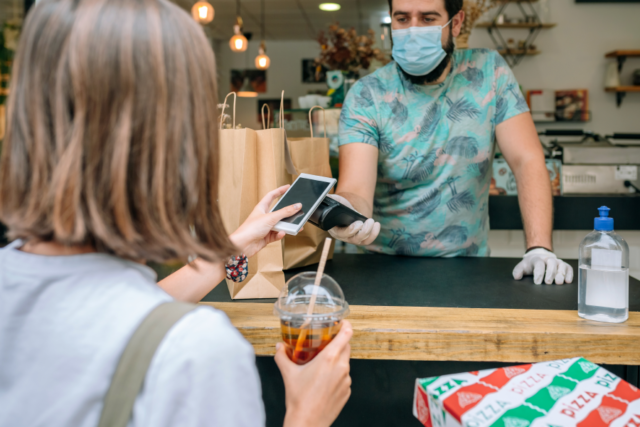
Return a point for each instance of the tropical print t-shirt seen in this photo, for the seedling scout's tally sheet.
(436, 145)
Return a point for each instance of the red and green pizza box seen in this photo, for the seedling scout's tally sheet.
(569, 392)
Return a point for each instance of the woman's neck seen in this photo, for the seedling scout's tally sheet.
(55, 249)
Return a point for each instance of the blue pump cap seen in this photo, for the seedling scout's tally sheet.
(603, 223)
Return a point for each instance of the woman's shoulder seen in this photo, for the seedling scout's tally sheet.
(203, 373)
(204, 340)
(208, 332)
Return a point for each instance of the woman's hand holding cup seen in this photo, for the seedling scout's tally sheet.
(317, 391)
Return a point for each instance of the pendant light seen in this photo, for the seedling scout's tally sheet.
(262, 60)
(238, 42)
(246, 91)
(203, 12)
(329, 7)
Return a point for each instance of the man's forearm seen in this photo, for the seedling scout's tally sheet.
(536, 202)
(359, 203)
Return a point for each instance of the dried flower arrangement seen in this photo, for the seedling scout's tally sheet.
(473, 10)
(347, 51)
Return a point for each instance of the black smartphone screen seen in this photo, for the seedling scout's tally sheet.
(305, 191)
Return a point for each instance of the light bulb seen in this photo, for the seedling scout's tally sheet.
(262, 60)
(238, 42)
(329, 7)
(202, 12)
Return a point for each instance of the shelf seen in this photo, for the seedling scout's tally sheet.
(621, 92)
(582, 117)
(621, 56)
(617, 53)
(527, 25)
(623, 89)
(519, 52)
(515, 56)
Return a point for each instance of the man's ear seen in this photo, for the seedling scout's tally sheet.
(456, 23)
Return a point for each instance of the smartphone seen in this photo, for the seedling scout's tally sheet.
(310, 190)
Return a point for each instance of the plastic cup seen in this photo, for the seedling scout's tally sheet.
(304, 334)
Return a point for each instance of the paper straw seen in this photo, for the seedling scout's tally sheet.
(312, 302)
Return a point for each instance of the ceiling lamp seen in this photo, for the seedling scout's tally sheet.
(238, 42)
(329, 7)
(246, 91)
(262, 60)
(202, 12)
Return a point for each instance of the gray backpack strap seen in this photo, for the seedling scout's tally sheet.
(135, 360)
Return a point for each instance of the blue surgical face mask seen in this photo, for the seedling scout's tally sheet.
(418, 50)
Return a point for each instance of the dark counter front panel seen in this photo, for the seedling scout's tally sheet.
(382, 280)
(575, 212)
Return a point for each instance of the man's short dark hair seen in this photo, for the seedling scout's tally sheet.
(452, 6)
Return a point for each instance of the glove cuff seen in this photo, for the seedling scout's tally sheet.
(537, 247)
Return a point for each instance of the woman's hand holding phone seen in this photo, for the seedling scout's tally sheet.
(317, 391)
(256, 232)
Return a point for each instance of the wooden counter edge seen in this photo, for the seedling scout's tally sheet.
(460, 334)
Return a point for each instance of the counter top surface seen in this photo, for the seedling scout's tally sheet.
(462, 309)
(381, 280)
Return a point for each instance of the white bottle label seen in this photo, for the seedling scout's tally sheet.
(607, 288)
(606, 281)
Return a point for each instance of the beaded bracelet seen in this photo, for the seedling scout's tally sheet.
(237, 268)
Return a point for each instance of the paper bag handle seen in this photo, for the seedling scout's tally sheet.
(224, 104)
(282, 110)
(288, 161)
(324, 119)
(264, 126)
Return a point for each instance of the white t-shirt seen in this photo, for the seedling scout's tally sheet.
(64, 322)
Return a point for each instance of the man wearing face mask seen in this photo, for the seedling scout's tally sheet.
(417, 145)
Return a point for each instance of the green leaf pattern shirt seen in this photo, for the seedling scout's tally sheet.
(436, 146)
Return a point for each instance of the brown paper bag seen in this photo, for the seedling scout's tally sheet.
(253, 163)
(241, 188)
(309, 155)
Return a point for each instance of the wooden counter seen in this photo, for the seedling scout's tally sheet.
(463, 309)
(423, 317)
(460, 334)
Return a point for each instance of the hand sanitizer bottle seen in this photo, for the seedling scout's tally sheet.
(603, 277)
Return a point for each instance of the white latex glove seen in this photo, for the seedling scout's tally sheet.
(358, 233)
(537, 261)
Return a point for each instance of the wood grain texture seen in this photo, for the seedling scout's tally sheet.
(424, 333)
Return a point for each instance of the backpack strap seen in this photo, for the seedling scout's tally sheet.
(135, 360)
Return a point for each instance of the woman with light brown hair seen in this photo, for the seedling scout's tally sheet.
(110, 160)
